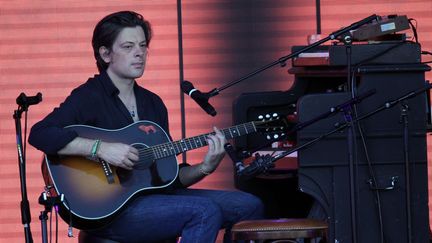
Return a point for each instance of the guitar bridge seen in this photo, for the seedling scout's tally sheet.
(107, 171)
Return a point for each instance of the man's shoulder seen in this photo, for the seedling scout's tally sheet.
(92, 84)
(87, 92)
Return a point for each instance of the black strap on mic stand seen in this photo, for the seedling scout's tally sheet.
(23, 103)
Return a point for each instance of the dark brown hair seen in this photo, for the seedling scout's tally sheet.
(107, 30)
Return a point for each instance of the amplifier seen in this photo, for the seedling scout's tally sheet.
(377, 53)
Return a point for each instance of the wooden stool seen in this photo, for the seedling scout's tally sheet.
(279, 229)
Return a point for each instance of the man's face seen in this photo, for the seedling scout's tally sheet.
(127, 58)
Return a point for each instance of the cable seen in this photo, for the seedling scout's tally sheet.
(373, 177)
(353, 90)
(370, 168)
(50, 218)
(414, 28)
(56, 221)
(67, 204)
(426, 53)
(362, 136)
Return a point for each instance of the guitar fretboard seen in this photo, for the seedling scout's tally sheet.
(183, 145)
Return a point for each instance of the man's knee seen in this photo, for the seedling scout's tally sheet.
(254, 207)
(210, 212)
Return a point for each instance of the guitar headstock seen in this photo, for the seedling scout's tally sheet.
(273, 126)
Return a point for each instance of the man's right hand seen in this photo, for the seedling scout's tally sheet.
(118, 154)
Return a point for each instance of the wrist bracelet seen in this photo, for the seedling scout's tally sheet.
(203, 171)
(95, 148)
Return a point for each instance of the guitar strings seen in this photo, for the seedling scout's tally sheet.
(178, 147)
(167, 149)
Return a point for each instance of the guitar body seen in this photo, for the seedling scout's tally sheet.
(93, 197)
(90, 199)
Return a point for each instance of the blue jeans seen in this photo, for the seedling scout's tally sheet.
(194, 214)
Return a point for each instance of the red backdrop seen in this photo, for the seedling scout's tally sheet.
(45, 47)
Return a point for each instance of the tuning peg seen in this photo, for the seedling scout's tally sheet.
(260, 117)
(267, 116)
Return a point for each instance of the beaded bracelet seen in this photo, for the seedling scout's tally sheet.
(95, 148)
(203, 171)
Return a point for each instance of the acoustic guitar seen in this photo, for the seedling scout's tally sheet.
(94, 192)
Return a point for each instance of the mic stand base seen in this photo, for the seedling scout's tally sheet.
(43, 217)
(49, 203)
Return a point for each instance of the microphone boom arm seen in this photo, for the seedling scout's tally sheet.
(384, 106)
(330, 112)
(263, 163)
(282, 61)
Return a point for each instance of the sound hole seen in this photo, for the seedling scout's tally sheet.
(145, 157)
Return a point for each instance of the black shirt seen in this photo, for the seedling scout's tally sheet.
(94, 103)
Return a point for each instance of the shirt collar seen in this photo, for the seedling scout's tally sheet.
(108, 84)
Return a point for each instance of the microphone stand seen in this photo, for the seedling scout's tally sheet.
(25, 207)
(282, 61)
(351, 140)
(404, 120)
(49, 203)
(268, 161)
(300, 126)
(352, 182)
(342, 126)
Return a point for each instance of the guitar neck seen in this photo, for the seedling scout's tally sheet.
(183, 145)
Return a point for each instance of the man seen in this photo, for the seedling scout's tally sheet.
(113, 100)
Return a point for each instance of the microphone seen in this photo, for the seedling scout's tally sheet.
(24, 100)
(260, 165)
(238, 163)
(200, 98)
